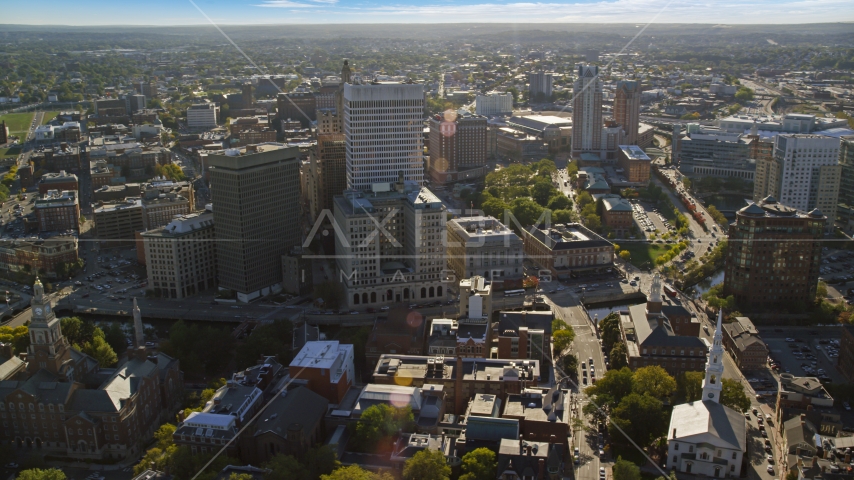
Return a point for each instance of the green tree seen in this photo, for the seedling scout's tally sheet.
(744, 95)
(584, 199)
(626, 255)
(689, 386)
(240, 476)
(163, 435)
(321, 460)
(355, 472)
(479, 464)
(101, 351)
(115, 336)
(592, 221)
(269, 339)
(609, 330)
(563, 216)
(526, 211)
(569, 362)
(733, 396)
(427, 464)
(494, 207)
(613, 386)
(625, 470)
(563, 339)
(39, 474)
(559, 202)
(379, 422)
(821, 291)
(641, 417)
(619, 356)
(286, 467)
(653, 381)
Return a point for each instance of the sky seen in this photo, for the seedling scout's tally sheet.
(232, 12)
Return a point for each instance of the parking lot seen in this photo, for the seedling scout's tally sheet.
(836, 268)
(806, 355)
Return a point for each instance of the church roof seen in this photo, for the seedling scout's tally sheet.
(708, 418)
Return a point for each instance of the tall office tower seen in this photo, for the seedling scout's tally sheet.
(627, 109)
(774, 255)
(393, 244)
(457, 147)
(134, 103)
(327, 173)
(676, 144)
(846, 186)
(256, 198)
(247, 96)
(540, 83)
(383, 125)
(803, 173)
(586, 111)
(149, 88)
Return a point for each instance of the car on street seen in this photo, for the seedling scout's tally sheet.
(770, 469)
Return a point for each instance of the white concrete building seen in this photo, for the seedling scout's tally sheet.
(803, 173)
(180, 258)
(493, 103)
(202, 115)
(587, 111)
(482, 245)
(383, 127)
(705, 437)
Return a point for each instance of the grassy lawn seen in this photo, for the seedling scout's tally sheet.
(10, 152)
(18, 123)
(48, 116)
(645, 252)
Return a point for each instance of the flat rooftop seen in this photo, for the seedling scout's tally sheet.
(634, 152)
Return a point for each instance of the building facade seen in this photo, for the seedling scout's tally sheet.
(119, 221)
(457, 146)
(40, 255)
(745, 346)
(563, 249)
(483, 246)
(804, 174)
(202, 116)
(300, 105)
(627, 109)
(378, 150)
(257, 216)
(635, 163)
(774, 255)
(181, 256)
(540, 86)
(845, 206)
(327, 367)
(58, 181)
(58, 211)
(493, 103)
(587, 111)
(326, 175)
(400, 262)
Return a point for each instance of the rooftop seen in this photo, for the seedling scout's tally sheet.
(320, 354)
(634, 152)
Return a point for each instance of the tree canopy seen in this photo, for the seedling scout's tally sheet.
(428, 464)
(479, 464)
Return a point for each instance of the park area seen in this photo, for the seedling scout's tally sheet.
(48, 116)
(18, 123)
(644, 254)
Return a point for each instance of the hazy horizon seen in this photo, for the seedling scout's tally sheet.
(92, 13)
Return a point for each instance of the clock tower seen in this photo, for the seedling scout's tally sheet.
(48, 348)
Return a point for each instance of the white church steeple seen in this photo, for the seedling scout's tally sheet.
(714, 366)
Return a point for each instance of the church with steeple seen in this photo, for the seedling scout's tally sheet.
(62, 402)
(706, 437)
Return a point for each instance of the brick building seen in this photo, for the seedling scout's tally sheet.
(774, 255)
(299, 105)
(457, 146)
(119, 221)
(543, 414)
(58, 181)
(635, 163)
(327, 367)
(524, 335)
(745, 346)
(617, 214)
(58, 211)
(845, 364)
(567, 248)
(660, 334)
(66, 406)
(41, 255)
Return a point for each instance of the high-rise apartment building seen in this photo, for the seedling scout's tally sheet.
(134, 103)
(587, 111)
(774, 255)
(181, 257)
(635, 163)
(457, 147)
(804, 173)
(392, 244)
(540, 86)
(256, 197)
(202, 115)
(627, 109)
(845, 207)
(493, 103)
(383, 131)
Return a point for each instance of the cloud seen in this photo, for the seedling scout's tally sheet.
(289, 4)
(602, 11)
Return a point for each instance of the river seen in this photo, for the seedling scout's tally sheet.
(705, 284)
